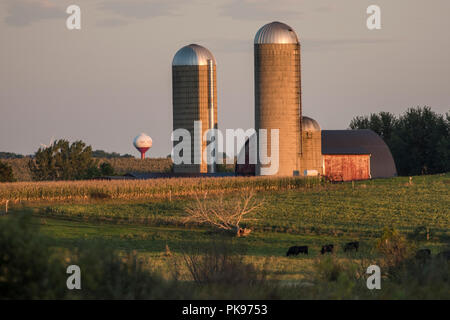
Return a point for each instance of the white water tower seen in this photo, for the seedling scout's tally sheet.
(142, 142)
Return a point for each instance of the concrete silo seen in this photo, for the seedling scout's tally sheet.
(311, 161)
(278, 92)
(194, 99)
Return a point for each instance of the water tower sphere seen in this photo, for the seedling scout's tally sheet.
(142, 142)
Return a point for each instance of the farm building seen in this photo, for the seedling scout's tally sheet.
(246, 168)
(303, 148)
(278, 102)
(194, 96)
(340, 155)
(362, 149)
(310, 157)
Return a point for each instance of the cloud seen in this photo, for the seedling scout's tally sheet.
(325, 8)
(325, 44)
(261, 9)
(140, 9)
(229, 45)
(234, 45)
(112, 22)
(25, 12)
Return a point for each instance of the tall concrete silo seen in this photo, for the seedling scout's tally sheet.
(194, 99)
(278, 92)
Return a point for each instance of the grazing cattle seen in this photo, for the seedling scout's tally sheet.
(423, 254)
(351, 245)
(444, 255)
(327, 248)
(295, 250)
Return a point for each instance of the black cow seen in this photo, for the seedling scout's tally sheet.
(444, 255)
(295, 250)
(351, 245)
(423, 254)
(327, 248)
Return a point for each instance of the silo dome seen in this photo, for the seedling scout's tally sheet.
(193, 55)
(309, 124)
(276, 33)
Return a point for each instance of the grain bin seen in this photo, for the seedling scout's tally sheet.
(278, 92)
(311, 161)
(194, 94)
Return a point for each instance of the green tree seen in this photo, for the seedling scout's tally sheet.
(10, 155)
(6, 173)
(109, 155)
(383, 124)
(106, 169)
(443, 148)
(422, 142)
(419, 139)
(63, 161)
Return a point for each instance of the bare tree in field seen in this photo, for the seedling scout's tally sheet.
(224, 214)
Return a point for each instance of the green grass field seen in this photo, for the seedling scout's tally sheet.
(308, 214)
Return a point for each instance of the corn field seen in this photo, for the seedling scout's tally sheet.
(136, 189)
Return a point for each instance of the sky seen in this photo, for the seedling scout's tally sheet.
(111, 80)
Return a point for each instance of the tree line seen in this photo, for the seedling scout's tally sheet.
(67, 161)
(95, 154)
(419, 139)
(62, 160)
(10, 155)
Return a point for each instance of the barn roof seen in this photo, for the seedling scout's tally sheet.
(365, 141)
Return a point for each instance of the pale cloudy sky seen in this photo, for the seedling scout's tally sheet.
(111, 80)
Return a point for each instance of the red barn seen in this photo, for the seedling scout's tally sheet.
(346, 155)
(356, 155)
(346, 167)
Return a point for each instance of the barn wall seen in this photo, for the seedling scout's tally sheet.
(347, 167)
(245, 169)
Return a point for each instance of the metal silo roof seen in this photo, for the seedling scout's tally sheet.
(193, 55)
(276, 32)
(309, 124)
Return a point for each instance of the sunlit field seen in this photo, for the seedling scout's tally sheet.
(148, 219)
